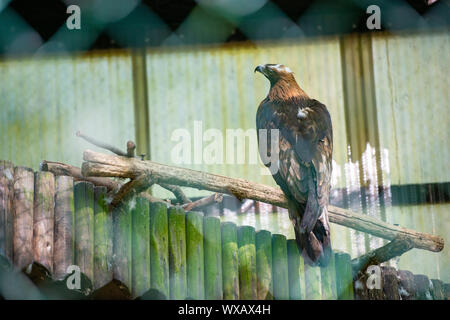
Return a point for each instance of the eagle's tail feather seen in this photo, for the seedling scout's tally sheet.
(315, 246)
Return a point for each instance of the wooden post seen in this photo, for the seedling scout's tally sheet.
(44, 219)
(177, 253)
(264, 283)
(296, 269)
(84, 227)
(247, 263)
(328, 279)
(344, 280)
(194, 255)
(103, 240)
(313, 289)
(280, 267)
(159, 248)
(141, 247)
(63, 254)
(6, 209)
(23, 217)
(213, 258)
(122, 246)
(230, 261)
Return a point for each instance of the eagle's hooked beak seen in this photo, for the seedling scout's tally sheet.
(260, 69)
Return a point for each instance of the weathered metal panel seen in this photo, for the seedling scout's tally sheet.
(217, 85)
(44, 101)
(412, 94)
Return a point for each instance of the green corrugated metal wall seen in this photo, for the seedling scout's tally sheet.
(94, 93)
(45, 101)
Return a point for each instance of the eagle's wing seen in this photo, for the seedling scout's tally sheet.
(304, 169)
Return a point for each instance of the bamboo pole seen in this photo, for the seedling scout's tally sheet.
(159, 248)
(103, 240)
(103, 165)
(296, 270)
(23, 217)
(195, 255)
(264, 283)
(122, 246)
(63, 254)
(230, 261)
(177, 253)
(84, 227)
(6, 208)
(280, 267)
(313, 287)
(44, 219)
(328, 280)
(344, 278)
(213, 258)
(141, 247)
(247, 263)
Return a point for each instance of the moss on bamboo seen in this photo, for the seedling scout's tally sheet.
(312, 283)
(213, 258)
(159, 248)
(230, 261)
(264, 284)
(344, 278)
(141, 246)
(195, 255)
(296, 270)
(328, 280)
(247, 263)
(122, 248)
(280, 267)
(177, 253)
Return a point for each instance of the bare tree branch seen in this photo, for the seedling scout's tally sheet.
(203, 202)
(103, 165)
(395, 248)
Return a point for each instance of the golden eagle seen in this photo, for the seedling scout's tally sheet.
(305, 147)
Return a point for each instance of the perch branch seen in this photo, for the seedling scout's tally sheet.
(395, 248)
(102, 145)
(203, 202)
(131, 148)
(103, 165)
(62, 169)
(131, 188)
(178, 193)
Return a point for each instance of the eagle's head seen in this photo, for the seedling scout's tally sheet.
(283, 86)
(275, 72)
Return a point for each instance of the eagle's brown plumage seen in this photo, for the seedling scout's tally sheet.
(305, 153)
